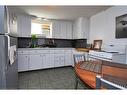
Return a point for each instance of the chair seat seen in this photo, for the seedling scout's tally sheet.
(91, 66)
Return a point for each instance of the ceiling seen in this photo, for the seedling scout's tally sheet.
(59, 12)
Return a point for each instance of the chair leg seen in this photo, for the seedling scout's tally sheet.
(76, 82)
(98, 82)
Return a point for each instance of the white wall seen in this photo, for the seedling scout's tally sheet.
(102, 26)
(81, 28)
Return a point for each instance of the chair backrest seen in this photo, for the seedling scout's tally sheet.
(78, 58)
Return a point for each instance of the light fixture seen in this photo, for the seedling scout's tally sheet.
(45, 19)
(39, 18)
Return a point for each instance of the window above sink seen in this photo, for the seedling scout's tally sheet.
(42, 28)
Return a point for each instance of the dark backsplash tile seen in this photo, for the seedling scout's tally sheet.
(23, 42)
(50, 42)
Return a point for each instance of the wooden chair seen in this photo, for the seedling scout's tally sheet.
(86, 75)
(78, 59)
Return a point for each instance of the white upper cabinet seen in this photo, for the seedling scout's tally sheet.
(24, 25)
(62, 29)
(56, 29)
(81, 28)
(69, 30)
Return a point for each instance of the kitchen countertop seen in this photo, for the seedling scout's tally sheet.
(87, 50)
(83, 49)
(42, 48)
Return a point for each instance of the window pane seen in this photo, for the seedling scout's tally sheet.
(46, 29)
(41, 27)
(36, 28)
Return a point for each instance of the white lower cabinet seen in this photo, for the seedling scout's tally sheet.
(59, 60)
(68, 58)
(23, 61)
(42, 59)
(48, 60)
(35, 62)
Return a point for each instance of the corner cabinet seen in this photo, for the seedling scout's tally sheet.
(62, 29)
(81, 28)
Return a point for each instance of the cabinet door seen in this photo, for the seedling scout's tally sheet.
(23, 61)
(48, 60)
(56, 29)
(53, 29)
(63, 29)
(24, 25)
(35, 62)
(69, 30)
(59, 60)
(68, 58)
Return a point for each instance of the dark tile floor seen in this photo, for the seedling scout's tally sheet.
(57, 78)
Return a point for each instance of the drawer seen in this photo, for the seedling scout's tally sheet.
(51, 51)
(23, 52)
(34, 51)
(40, 51)
(46, 51)
(59, 51)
